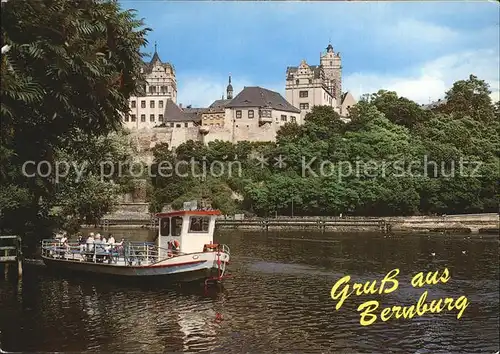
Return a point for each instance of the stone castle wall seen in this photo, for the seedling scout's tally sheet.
(147, 139)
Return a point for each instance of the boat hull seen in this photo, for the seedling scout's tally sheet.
(184, 268)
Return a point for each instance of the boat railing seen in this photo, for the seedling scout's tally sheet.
(225, 249)
(126, 253)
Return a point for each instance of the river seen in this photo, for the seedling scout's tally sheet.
(278, 300)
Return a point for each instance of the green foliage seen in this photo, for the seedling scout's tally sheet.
(393, 158)
(66, 81)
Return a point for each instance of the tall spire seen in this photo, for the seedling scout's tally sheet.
(156, 47)
(229, 89)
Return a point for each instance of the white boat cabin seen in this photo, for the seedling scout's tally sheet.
(186, 231)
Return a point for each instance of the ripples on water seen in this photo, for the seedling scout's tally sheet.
(278, 300)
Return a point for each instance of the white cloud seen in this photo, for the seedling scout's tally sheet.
(431, 80)
(413, 32)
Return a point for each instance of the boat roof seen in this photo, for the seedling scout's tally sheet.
(188, 212)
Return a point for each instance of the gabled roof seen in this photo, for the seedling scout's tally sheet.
(256, 96)
(148, 67)
(316, 69)
(219, 104)
(173, 113)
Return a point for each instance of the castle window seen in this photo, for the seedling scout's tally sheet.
(143, 104)
(310, 81)
(152, 89)
(293, 119)
(283, 118)
(304, 106)
(186, 125)
(126, 117)
(177, 125)
(297, 82)
(132, 104)
(160, 104)
(238, 114)
(151, 117)
(171, 125)
(151, 104)
(303, 94)
(143, 117)
(133, 118)
(331, 63)
(265, 113)
(250, 113)
(160, 117)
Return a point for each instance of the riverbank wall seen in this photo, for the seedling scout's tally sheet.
(136, 215)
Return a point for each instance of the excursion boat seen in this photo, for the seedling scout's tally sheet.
(184, 251)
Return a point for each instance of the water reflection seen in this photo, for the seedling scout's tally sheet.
(279, 299)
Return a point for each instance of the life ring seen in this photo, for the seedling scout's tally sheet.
(210, 247)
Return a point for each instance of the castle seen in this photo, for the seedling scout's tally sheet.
(254, 114)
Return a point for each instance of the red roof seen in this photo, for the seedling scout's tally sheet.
(188, 212)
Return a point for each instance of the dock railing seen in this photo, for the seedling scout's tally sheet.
(11, 251)
(305, 222)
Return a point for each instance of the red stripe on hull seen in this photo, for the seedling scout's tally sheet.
(128, 267)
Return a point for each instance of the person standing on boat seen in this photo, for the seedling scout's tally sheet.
(90, 242)
(64, 241)
(111, 242)
(81, 242)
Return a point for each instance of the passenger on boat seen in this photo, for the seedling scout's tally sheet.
(98, 241)
(120, 247)
(81, 242)
(90, 242)
(173, 246)
(64, 242)
(111, 243)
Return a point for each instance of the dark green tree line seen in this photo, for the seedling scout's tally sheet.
(66, 80)
(394, 157)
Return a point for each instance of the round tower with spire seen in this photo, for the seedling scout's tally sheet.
(229, 89)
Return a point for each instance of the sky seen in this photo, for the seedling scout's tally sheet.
(418, 49)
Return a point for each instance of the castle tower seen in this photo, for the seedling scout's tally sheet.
(332, 66)
(229, 89)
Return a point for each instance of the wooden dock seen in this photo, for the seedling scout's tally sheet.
(11, 252)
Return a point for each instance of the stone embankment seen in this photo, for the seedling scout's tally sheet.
(474, 223)
(132, 215)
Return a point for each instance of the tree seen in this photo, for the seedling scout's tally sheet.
(469, 98)
(70, 70)
(398, 110)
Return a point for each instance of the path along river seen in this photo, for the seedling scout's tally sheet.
(278, 300)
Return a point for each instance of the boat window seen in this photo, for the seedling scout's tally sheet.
(165, 227)
(199, 223)
(176, 225)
